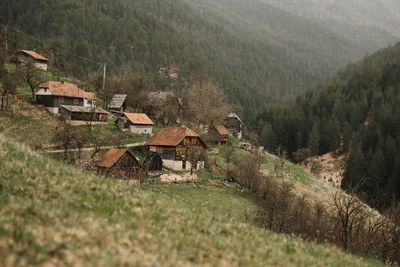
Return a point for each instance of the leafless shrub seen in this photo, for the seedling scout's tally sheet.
(347, 222)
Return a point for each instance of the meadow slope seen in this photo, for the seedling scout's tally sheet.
(55, 213)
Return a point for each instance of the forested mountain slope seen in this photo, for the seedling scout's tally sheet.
(357, 114)
(252, 63)
(371, 24)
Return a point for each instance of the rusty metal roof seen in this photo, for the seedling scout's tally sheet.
(68, 90)
(34, 55)
(83, 109)
(221, 130)
(138, 118)
(111, 157)
(171, 136)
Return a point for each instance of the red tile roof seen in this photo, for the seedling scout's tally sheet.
(171, 136)
(138, 118)
(221, 130)
(90, 96)
(34, 55)
(111, 157)
(68, 90)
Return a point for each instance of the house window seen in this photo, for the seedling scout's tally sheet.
(61, 100)
(76, 101)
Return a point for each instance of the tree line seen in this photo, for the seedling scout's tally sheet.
(356, 114)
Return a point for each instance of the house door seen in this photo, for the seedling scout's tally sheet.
(184, 165)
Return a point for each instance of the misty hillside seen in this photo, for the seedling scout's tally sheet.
(357, 114)
(257, 55)
(372, 24)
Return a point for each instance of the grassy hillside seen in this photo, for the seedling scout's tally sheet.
(56, 214)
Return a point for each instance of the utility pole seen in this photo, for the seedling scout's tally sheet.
(104, 76)
(6, 40)
(104, 83)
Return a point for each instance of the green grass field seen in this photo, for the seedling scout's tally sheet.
(54, 213)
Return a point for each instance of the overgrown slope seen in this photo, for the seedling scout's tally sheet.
(54, 213)
(356, 114)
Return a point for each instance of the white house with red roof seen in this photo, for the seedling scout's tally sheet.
(138, 123)
(52, 95)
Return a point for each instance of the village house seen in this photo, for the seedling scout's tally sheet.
(179, 148)
(234, 125)
(219, 134)
(31, 57)
(78, 115)
(137, 123)
(54, 94)
(118, 104)
(119, 163)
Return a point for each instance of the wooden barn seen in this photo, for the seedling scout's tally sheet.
(118, 104)
(234, 125)
(179, 148)
(219, 134)
(54, 94)
(138, 123)
(153, 164)
(31, 57)
(81, 115)
(119, 163)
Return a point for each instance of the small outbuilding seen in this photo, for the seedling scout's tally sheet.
(31, 57)
(81, 115)
(152, 164)
(138, 123)
(118, 104)
(234, 125)
(219, 134)
(119, 163)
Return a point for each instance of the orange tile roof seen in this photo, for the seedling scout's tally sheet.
(90, 96)
(68, 90)
(111, 157)
(171, 136)
(34, 55)
(138, 118)
(221, 130)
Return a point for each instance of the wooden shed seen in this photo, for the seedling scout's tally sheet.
(118, 104)
(80, 114)
(152, 164)
(234, 125)
(119, 163)
(178, 147)
(219, 134)
(31, 57)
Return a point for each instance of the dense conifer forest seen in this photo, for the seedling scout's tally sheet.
(357, 114)
(255, 65)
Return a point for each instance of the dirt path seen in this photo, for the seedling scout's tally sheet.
(91, 148)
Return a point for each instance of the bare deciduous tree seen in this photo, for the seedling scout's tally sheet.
(33, 78)
(205, 105)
